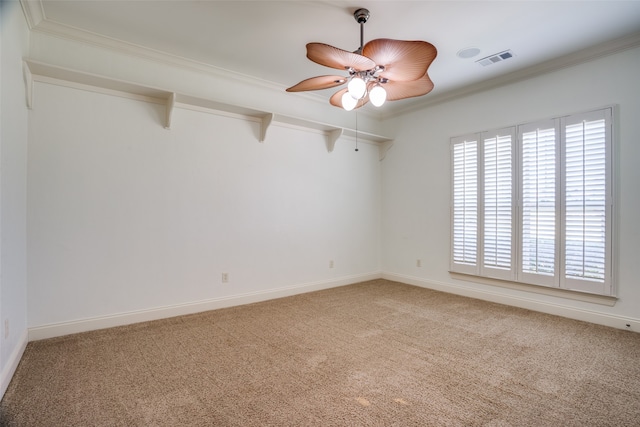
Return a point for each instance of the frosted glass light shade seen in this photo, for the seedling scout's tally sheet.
(378, 95)
(357, 87)
(348, 102)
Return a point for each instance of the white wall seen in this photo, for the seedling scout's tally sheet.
(13, 166)
(416, 179)
(126, 217)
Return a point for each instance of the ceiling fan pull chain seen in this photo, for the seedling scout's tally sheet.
(356, 130)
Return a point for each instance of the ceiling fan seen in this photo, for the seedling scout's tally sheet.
(382, 69)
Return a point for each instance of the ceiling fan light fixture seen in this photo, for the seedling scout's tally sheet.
(377, 95)
(380, 70)
(348, 101)
(357, 87)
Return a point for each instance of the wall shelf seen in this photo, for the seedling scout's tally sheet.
(38, 71)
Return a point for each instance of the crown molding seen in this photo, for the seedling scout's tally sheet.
(33, 12)
(56, 29)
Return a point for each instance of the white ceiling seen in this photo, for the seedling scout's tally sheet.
(266, 39)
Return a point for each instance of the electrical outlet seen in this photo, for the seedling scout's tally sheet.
(225, 277)
(330, 263)
(418, 263)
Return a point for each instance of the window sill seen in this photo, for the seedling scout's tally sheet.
(556, 292)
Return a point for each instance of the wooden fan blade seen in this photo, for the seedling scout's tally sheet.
(336, 99)
(402, 90)
(402, 60)
(317, 83)
(333, 57)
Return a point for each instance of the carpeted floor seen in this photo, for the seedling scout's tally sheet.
(378, 353)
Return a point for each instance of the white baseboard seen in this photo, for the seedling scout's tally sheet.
(12, 363)
(619, 322)
(83, 325)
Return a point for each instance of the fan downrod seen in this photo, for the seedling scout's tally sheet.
(361, 16)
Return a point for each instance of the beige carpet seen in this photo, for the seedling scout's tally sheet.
(373, 354)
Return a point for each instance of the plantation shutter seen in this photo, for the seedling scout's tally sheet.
(464, 199)
(586, 201)
(534, 203)
(498, 206)
(539, 215)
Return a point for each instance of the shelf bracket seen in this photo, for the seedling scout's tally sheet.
(384, 147)
(332, 137)
(28, 84)
(171, 102)
(264, 125)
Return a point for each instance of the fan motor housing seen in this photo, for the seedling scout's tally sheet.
(361, 16)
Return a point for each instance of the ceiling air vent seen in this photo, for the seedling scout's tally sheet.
(498, 57)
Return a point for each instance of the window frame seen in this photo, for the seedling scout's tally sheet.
(516, 274)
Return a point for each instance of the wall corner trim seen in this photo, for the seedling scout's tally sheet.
(12, 363)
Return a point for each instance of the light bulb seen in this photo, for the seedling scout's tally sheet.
(357, 87)
(378, 95)
(348, 102)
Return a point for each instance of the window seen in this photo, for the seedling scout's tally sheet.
(532, 203)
